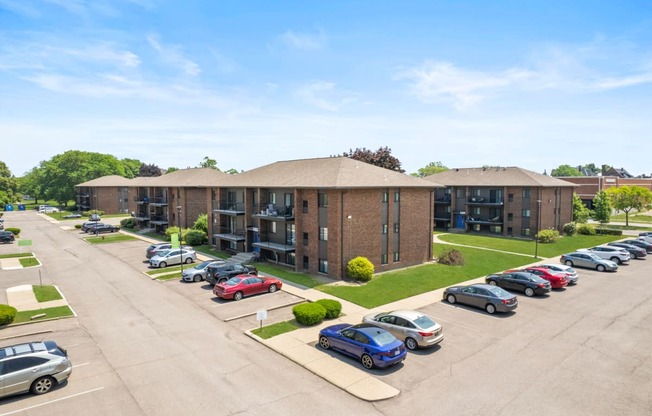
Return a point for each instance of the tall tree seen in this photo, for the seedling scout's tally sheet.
(581, 212)
(208, 163)
(601, 207)
(627, 198)
(591, 167)
(430, 169)
(565, 170)
(381, 157)
(32, 184)
(8, 185)
(131, 167)
(149, 170)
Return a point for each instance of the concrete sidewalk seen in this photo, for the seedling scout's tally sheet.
(23, 299)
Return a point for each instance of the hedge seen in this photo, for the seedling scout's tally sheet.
(309, 314)
(608, 231)
(15, 231)
(7, 314)
(130, 223)
(195, 237)
(333, 307)
(585, 229)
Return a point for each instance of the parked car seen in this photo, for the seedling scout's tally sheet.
(102, 228)
(220, 273)
(558, 280)
(47, 209)
(372, 345)
(174, 256)
(86, 226)
(571, 274)
(198, 273)
(34, 366)
(640, 243)
(528, 283)
(645, 236)
(414, 328)
(7, 237)
(588, 260)
(634, 251)
(154, 249)
(615, 254)
(94, 217)
(246, 285)
(490, 298)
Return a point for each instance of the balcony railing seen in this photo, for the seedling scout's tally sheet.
(480, 220)
(480, 200)
(286, 247)
(229, 207)
(230, 234)
(284, 212)
(158, 219)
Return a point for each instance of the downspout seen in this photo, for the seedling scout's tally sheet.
(431, 222)
(342, 263)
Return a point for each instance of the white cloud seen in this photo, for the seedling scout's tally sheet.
(324, 95)
(305, 41)
(171, 54)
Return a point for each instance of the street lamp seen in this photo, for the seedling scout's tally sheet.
(180, 245)
(536, 236)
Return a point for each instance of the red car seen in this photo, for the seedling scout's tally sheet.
(557, 280)
(244, 285)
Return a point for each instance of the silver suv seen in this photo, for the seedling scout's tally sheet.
(34, 366)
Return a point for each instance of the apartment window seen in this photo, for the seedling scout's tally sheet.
(397, 256)
(526, 192)
(396, 227)
(525, 213)
(323, 233)
(323, 200)
(383, 259)
(510, 216)
(272, 227)
(385, 197)
(459, 193)
(305, 239)
(510, 197)
(397, 196)
(272, 198)
(525, 231)
(496, 229)
(384, 228)
(448, 209)
(291, 259)
(305, 206)
(476, 227)
(306, 263)
(323, 266)
(476, 211)
(510, 231)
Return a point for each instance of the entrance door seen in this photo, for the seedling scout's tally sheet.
(459, 220)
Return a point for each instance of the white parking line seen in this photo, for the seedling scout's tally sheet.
(80, 365)
(50, 402)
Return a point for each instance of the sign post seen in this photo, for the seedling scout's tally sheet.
(260, 316)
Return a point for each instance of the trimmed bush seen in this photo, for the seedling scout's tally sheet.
(195, 237)
(608, 231)
(547, 236)
(451, 257)
(15, 231)
(93, 211)
(7, 314)
(129, 223)
(202, 223)
(309, 314)
(333, 307)
(360, 268)
(585, 229)
(570, 228)
(78, 226)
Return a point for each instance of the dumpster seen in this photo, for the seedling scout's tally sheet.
(9, 207)
(21, 207)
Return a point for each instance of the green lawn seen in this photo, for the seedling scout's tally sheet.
(106, 239)
(169, 269)
(275, 329)
(170, 276)
(46, 293)
(633, 218)
(29, 262)
(392, 286)
(287, 274)
(15, 255)
(563, 245)
(50, 313)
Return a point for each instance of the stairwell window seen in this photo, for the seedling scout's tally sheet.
(525, 213)
(323, 266)
(323, 200)
(323, 233)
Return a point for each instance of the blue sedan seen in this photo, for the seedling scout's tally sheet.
(373, 346)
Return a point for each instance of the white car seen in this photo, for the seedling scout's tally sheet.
(174, 256)
(646, 236)
(47, 209)
(615, 254)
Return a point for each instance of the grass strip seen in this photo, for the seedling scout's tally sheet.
(166, 270)
(50, 313)
(169, 276)
(289, 275)
(275, 329)
(46, 293)
(29, 262)
(105, 239)
(16, 255)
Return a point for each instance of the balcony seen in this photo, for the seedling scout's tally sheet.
(141, 199)
(487, 202)
(489, 221)
(158, 201)
(229, 234)
(158, 220)
(142, 216)
(444, 200)
(444, 219)
(229, 208)
(264, 243)
(275, 212)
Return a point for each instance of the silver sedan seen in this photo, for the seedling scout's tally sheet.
(412, 327)
(198, 273)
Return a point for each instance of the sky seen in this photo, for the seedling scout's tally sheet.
(533, 84)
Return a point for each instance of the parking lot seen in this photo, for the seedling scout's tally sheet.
(141, 346)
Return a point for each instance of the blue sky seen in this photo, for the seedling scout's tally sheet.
(247, 83)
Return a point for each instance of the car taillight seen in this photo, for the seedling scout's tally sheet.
(505, 301)
(541, 285)
(426, 334)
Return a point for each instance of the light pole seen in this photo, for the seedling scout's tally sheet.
(180, 245)
(536, 236)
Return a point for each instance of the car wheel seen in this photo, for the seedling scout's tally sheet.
(493, 283)
(367, 361)
(634, 256)
(197, 278)
(323, 342)
(568, 263)
(600, 268)
(237, 296)
(411, 344)
(529, 292)
(272, 288)
(490, 308)
(42, 385)
(162, 264)
(188, 260)
(451, 299)
(616, 260)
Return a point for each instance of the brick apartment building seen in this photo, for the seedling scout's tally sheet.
(312, 214)
(506, 201)
(589, 186)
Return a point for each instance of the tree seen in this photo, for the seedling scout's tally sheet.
(430, 169)
(171, 169)
(381, 157)
(8, 185)
(209, 163)
(581, 213)
(591, 167)
(627, 198)
(131, 167)
(601, 207)
(149, 170)
(565, 170)
(232, 171)
(31, 184)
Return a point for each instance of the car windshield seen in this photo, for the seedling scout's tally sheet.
(382, 337)
(424, 322)
(163, 253)
(595, 257)
(499, 292)
(233, 281)
(202, 265)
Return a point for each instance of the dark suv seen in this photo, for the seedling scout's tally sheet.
(34, 366)
(222, 272)
(6, 237)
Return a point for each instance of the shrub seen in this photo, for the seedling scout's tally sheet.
(7, 314)
(451, 257)
(547, 236)
(195, 237)
(585, 229)
(93, 211)
(333, 308)
(174, 230)
(15, 231)
(130, 223)
(360, 268)
(570, 228)
(608, 231)
(309, 313)
(78, 226)
(201, 223)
